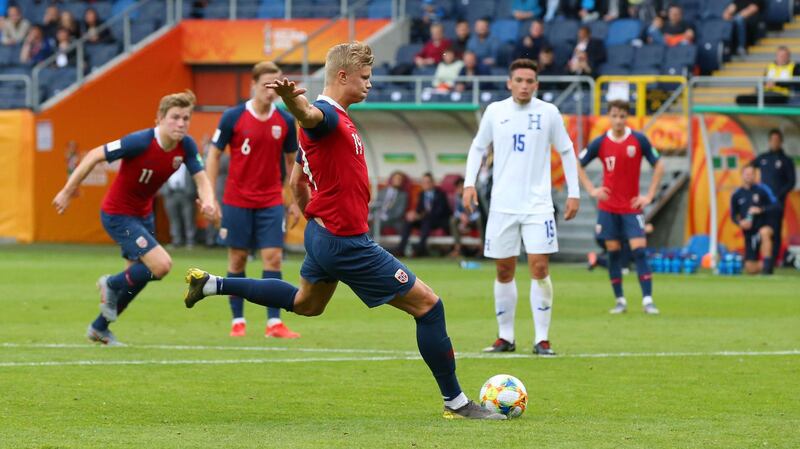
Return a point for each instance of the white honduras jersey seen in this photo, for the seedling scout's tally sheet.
(522, 136)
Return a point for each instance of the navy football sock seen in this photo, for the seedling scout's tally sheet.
(236, 302)
(643, 270)
(135, 275)
(100, 323)
(272, 312)
(615, 272)
(766, 265)
(437, 351)
(265, 292)
(127, 296)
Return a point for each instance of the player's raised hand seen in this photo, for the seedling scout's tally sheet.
(641, 201)
(61, 201)
(600, 193)
(293, 216)
(286, 88)
(469, 199)
(571, 210)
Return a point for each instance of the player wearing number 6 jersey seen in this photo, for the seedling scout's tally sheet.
(148, 157)
(620, 205)
(262, 141)
(522, 130)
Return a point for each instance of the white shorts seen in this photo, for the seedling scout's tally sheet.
(503, 233)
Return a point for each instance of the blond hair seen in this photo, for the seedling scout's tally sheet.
(185, 99)
(264, 68)
(348, 57)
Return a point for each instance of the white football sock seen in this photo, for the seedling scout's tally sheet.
(210, 287)
(542, 306)
(239, 320)
(622, 300)
(647, 300)
(457, 402)
(273, 321)
(505, 305)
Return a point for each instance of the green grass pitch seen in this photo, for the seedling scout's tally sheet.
(720, 368)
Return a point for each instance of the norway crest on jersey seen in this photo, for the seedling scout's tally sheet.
(631, 151)
(401, 276)
(276, 131)
(176, 162)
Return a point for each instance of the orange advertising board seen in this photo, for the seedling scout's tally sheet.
(252, 41)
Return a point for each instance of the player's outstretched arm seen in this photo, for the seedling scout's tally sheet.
(299, 187)
(63, 197)
(206, 198)
(307, 115)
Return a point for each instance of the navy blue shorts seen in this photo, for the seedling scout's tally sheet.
(375, 276)
(246, 228)
(611, 226)
(135, 235)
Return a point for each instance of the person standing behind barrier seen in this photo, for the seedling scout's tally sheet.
(179, 194)
(432, 212)
(778, 173)
(391, 203)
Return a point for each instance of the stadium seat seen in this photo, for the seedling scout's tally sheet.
(609, 69)
(714, 8)
(302, 9)
(379, 9)
(599, 29)
(778, 12)
(692, 10)
(424, 71)
(405, 54)
(326, 9)
(562, 32)
(679, 60)
(473, 10)
(121, 5)
(449, 27)
(648, 59)
(523, 28)
(619, 56)
(504, 55)
(269, 9)
(99, 54)
(502, 10)
(716, 30)
(9, 55)
(505, 30)
(623, 31)
(247, 9)
(103, 9)
(53, 80)
(155, 11)
(709, 55)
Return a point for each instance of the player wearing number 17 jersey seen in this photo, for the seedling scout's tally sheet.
(522, 129)
(620, 205)
(331, 185)
(149, 157)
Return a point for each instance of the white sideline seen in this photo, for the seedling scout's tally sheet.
(398, 356)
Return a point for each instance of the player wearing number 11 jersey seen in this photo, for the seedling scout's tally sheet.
(522, 130)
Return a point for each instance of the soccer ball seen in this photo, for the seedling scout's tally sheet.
(504, 394)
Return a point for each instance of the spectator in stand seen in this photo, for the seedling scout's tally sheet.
(459, 45)
(67, 20)
(526, 9)
(432, 52)
(579, 65)
(595, 49)
(672, 33)
(36, 48)
(587, 10)
(482, 44)
(15, 27)
(91, 28)
(432, 212)
(776, 92)
(472, 67)
(444, 80)
(531, 44)
(64, 55)
(547, 64)
(745, 15)
(463, 222)
(611, 10)
(50, 21)
(420, 26)
(391, 204)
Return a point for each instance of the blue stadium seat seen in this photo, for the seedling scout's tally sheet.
(648, 59)
(523, 28)
(103, 9)
(424, 71)
(476, 9)
(608, 69)
(270, 9)
(562, 32)
(504, 55)
(709, 55)
(326, 9)
(778, 12)
(121, 5)
(679, 60)
(52, 80)
(9, 55)
(562, 52)
(99, 54)
(716, 30)
(692, 10)
(714, 8)
(406, 53)
(623, 31)
(599, 29)
(619, 56)
(34, 12)
(379, 9)
(505, 30)
(140, 29)
(76, 8)
(247, 9)
(155, 11)
(449, 27)
(502, 9)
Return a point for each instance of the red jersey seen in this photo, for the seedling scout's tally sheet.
(622, 163)
(145, 167)
(332, 155)
(256, 171)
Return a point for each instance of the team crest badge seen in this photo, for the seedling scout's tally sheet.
(755, 197)
(141, 242)
(631, 151)
(276, 131)
(223, 233)
(598, 228)
(177, 161)
(401, 276)
(778, 164)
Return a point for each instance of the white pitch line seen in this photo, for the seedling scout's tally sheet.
(208, 348)
(460, 356)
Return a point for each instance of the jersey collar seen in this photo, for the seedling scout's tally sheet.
(330, 100)
(158, 137)
(610, 135)
(252, 110)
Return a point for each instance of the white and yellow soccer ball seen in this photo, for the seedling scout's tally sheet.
(504, 394)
